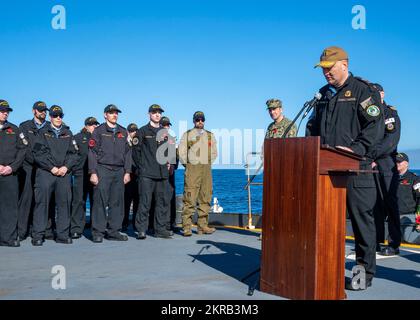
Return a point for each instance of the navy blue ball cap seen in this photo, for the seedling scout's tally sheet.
(56, 111)
(199, 115)
(40, 106)
(4, 106)
(91, 121)
(156, 107)
(112, 108)
(400, 157)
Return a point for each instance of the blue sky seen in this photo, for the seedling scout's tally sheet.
(225, 58)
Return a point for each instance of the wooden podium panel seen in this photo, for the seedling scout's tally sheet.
(304, 204)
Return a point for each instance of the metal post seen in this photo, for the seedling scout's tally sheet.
(248, 186)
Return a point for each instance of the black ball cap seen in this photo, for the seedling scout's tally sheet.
(40, 106)
(4, 106)
(156, 107)
(165, 121)
(378, 87)
(91, 121)
(400, 157)
(56, 111)
(199, 115)
(111, 108)
(132, 127)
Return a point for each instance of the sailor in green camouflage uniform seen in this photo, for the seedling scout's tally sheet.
(280, 124)
(276, 129)
(197, 151)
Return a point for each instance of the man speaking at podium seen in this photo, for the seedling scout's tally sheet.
(348, 117)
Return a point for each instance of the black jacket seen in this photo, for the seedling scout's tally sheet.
(51, 151)
(149, 145)
(385, 151)
(110, 149)
(12, 146)
(30, 131)
(82, 140)
(408, 193)
(352, 117)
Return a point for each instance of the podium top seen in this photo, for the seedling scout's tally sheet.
(352, 155)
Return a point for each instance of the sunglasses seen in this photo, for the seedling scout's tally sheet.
(61, 116)
(199, 120)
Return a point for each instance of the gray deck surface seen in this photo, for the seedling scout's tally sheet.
(200, 267)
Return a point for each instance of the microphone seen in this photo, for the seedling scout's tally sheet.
(310, 104)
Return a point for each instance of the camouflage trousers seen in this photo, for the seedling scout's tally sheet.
(198, 189)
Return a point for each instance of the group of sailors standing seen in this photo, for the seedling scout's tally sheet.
(47, 174)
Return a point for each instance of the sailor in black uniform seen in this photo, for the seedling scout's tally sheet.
(12, 153)
(408, 196)
(55, 154)
(30, 129)
(110, 165)
(348, 117)
(82, 188)
(387, 183)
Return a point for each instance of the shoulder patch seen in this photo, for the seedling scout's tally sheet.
(75, 145)
(390, 127)
(23, 138)
(389, 120)
(366, 103)
(373, 111)
(416, 186)
(135, 141)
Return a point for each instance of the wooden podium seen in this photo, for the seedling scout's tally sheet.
(304, 218)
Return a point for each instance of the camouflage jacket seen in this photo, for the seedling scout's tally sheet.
(276, 130)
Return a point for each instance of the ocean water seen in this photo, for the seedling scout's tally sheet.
(228, 187)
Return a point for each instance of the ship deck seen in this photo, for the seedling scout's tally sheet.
(205, 267)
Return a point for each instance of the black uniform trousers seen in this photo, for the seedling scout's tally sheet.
(26, 201)
(156, 189)
(108, 193)
(361, 199)
(8, 209)
(172, 202)
(131, 195)
(387, 207)
(82, 188)
(46, 186)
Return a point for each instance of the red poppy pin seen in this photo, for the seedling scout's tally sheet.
(9, 130)
(275, 131)
(92, 143)
(120, 135)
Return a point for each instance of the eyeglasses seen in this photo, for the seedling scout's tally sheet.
(61, 116)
